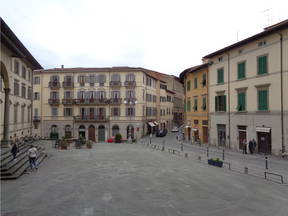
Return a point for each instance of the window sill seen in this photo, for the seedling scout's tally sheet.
(241, 112)
(262, 111)
(262, 75)
(220, 83)
(240, 79)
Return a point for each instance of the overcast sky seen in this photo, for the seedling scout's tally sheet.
(167, 36)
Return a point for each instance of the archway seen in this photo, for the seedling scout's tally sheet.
(91, 133)
(101, 133)
(115, 130)
(5, 123)
(130, 131)
(54, 132)
(82, 131)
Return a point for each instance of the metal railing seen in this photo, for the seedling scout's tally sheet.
(100, 118)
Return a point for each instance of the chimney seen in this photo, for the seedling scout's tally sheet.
(62, 66)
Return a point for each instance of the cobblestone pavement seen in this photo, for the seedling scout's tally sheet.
(131, 179)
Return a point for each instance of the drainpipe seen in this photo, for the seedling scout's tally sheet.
(281, 91)
(229, 105)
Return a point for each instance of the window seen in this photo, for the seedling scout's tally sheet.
(54, 111)
(115, 111)
(29, 75)
(16, 67)
(23, 91)
(15, 114)
(54, 78)
(16, 88)
(29, 114)
(130, 77)
(22, 114)
(220, 103)
(204, 78)
(54, 95)
(195, 104)
(36, 112)
(81, 80)
(163, 86)
(115, 94)
(36, 96)
(204, 104)
(262, 65)
(195, 83)
(115, 130)
(37, 80)
(196, 121)
(130, 94)
(68, 131)
(220, 76)
(263, 100)
(220, 59)
(130, 111)
(241, 67)
(81, 94)
(68, 95)
(169, 99)
(102, 94)
(101, 79)
(188, 85)
(241, 101)
(154, 98)
(23, 72)
(68, 111)
(115, 78)
(188, 106)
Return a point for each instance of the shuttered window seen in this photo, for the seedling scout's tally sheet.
(195, 83)
(204, 102)
(241, 101)
(262, 65)
(188, 85)
(220, 103)
(188, 106)
(262, 100)
(220, 75)
(241, 70)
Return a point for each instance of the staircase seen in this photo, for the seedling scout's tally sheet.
(11, 169)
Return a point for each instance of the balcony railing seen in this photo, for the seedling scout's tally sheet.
(97, 118)
(54, 84)
(68, 101)
(130, 84)
(36, 118)
(68, 84)
(53, 101)
(115, 84)
(92, 101)
(115, 100)
(130, 101)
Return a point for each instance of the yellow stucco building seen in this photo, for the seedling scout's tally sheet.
(196, 103)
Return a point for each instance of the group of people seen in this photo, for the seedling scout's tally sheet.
(251, 145)
(31, 153)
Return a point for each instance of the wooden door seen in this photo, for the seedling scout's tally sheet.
(91, 133)
(264, 142)
(242, 137)
(101, 133)
(205, 134)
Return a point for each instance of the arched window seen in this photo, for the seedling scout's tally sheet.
(115, 130)
(130, 131)
(115, 77)
(54, 129)
(130, 77)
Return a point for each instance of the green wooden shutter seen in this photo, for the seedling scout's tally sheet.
(189, 106)
(241, 101)
(220, 75)
(224, 103)
(262, 65)
(216, 103)
(195, 82)
(241, 70)
(262, 100)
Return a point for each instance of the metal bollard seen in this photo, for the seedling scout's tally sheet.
(182, 147)
(223, 154)
(186, 155)
(266, 162)
(207, 152)
(246, 170)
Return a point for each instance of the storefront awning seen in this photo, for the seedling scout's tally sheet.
(194, 129)
(263, 129)
(156, 123)
(187, 126)
(151, 124)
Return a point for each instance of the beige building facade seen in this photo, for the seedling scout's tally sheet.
(95, 103)
(248, 97)
(17, 65)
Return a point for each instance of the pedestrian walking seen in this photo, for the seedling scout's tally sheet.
(244, 146)
(32, 154)
(14, 150)
(254, 144)
(251, 147)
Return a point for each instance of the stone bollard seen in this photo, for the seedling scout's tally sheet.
(186, 155)
(246, 170)
(199, 158)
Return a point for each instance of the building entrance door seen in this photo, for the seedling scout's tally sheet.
(221, 133)
(91, 133)
(242, 134)
(205, 134)
(101, 133)
(189, 133)
(264, 142)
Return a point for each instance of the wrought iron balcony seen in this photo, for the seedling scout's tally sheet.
(36, 118)
(53, 101)
(130, 84)
(115, 100)
(54, 84)
(68, 84)
(68, 101)
(94, 118)
(130, 101)
(91, 101)
(115, 84)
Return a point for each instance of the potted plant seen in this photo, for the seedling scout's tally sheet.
(118, 138)
(215, 162)
(89, 144)
(63, 144)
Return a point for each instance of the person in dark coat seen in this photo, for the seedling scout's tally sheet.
(14, 150)
(251, 147)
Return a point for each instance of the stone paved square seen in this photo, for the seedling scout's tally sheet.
(129, 179)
